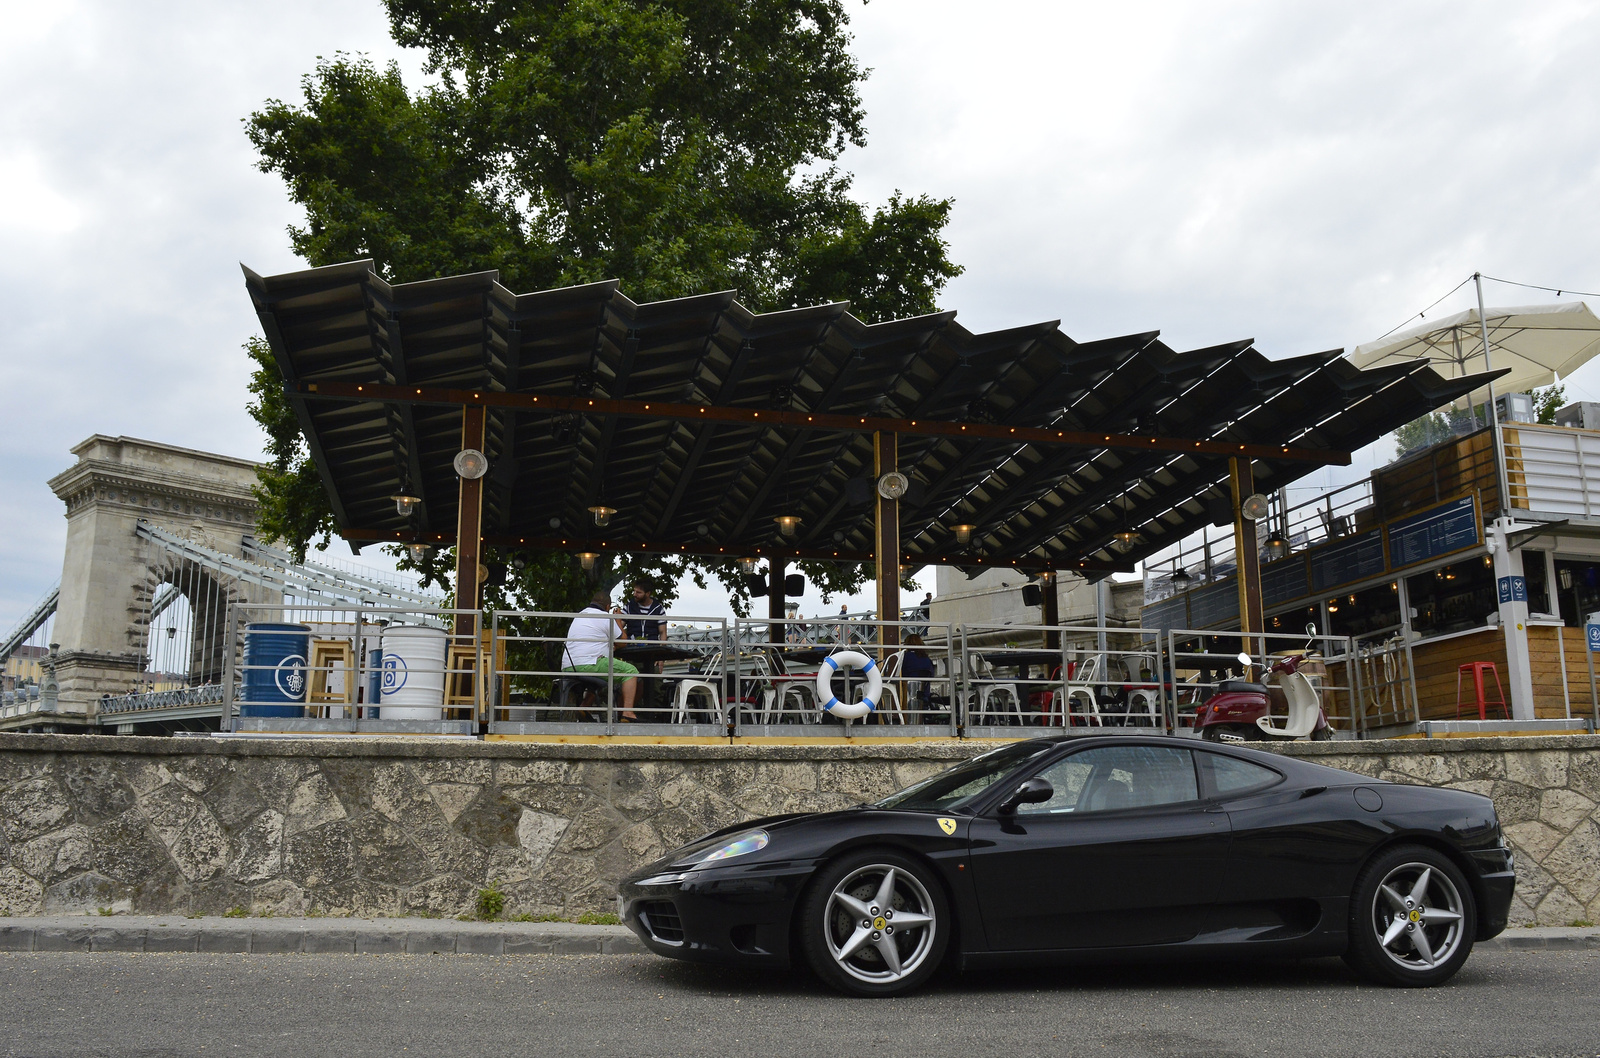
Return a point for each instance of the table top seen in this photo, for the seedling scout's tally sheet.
(1022, 657)
(645, 650)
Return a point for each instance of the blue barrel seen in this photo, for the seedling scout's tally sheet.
(374, 682)
(275, 669)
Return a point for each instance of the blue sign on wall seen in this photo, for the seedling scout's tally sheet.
(1594, 636)
(1513, 589)
(1446, 528)
(1351, 559)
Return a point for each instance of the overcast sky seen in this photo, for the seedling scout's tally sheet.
(1308, 175)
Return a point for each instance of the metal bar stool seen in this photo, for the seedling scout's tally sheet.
(1478, 668)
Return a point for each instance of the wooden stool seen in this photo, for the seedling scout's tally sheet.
(330, 658)
(1478, 668)
(461, 676)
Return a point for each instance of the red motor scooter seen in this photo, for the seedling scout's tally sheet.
(1240, 711)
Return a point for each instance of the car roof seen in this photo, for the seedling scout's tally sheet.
(1300, 770)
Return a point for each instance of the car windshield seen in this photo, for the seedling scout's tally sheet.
(945, 791)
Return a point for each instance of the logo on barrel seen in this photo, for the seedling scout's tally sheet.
(290, 676)
(394, 673)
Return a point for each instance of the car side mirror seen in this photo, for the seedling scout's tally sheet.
(1033, 791)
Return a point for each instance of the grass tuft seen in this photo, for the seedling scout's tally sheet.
(491, 903)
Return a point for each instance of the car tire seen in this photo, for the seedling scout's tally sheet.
(1412, 918)
(848, 930)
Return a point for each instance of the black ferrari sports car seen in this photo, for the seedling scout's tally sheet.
(1098, 848)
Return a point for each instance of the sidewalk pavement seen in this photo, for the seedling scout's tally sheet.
(381, 936)
(436, 936)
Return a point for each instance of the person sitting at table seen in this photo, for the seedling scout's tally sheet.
(640, 605)
(590, 638)
(917, 663)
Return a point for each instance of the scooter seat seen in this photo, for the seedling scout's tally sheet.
(1241, 687)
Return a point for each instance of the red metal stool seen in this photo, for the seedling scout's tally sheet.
(1478, 668)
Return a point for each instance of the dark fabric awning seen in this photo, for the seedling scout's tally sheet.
(716, 486)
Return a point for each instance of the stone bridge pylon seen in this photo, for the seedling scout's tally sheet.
(113, 583)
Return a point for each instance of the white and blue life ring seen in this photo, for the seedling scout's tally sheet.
(851, 659)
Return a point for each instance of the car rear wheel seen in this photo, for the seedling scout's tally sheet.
(875, 923)
(1412, 918)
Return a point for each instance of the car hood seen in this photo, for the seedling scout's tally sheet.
(794, 824)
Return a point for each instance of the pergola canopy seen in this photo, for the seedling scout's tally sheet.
(715, 486)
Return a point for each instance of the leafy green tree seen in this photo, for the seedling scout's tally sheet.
(678, 145)
(1548, 401)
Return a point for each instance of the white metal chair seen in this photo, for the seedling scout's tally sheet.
(704, 687)
(995, 697)
(893, 690)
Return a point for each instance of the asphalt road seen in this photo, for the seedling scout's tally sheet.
(352, 1006)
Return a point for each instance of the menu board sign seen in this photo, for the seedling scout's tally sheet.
(1283, 581)
(1351, 559)
(1214, 605)
(1437, 531)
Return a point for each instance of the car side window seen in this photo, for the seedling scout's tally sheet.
(1112, 777)
(1230, 775)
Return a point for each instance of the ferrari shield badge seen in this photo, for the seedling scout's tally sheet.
(947, 825)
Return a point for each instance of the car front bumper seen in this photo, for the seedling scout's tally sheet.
(736, 915)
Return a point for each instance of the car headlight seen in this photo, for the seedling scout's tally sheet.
(738, 845)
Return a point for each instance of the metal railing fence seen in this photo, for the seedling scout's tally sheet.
(535, 689)
(329, 668)
(1210, 658)
(776, 682)
(291, 668)
(1091, 680)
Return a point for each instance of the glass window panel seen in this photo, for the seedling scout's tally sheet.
(1231, 775)
(1113, 777)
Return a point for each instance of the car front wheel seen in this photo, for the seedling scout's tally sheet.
(1412, 918)
(875, 923)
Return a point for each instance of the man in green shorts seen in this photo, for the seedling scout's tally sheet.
(590, 638)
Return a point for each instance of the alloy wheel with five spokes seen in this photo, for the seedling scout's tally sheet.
(1412, 918)
(876, 923)
(1418, 911)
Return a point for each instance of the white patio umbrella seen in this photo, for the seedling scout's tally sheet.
(1538, 343)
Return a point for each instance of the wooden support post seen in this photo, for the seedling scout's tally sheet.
(1051, 614)
(885, 457)
(775, 572)
(469, 527)
(1247, 554)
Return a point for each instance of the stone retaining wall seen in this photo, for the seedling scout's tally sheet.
(358, 827)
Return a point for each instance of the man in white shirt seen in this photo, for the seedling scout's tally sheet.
(589, 641)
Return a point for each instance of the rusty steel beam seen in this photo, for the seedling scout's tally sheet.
(705, 550)
(650, 409)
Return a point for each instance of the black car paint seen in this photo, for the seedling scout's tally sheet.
(1270, 868)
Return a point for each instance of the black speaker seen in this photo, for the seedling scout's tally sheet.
(495, 573)
(1220, 508)
(756, 585)
(1031, 595)
(794, 585)
(858, 491)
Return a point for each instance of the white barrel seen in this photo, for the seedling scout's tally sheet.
(412, 681)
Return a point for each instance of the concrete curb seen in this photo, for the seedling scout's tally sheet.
(398, 936)
(1547, 938)
(336, 935)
